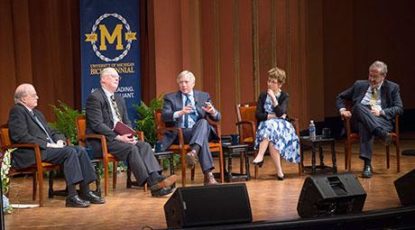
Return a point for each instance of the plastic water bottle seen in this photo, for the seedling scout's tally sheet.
(312, 130)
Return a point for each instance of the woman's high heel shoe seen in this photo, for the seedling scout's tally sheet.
(259, 164)
(280, 177)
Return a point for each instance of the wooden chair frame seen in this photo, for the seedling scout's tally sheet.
(352, 137)
(181, 148)
(107, 157)
(35, 170)
(247, 127)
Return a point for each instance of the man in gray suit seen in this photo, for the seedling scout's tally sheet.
(188, 109)
(104, 108)
(375, 103)
(28, 125)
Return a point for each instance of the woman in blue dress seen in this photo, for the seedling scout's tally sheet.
(275, 132)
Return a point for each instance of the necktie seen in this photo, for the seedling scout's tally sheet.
(192, 115)
(374, 96)
(186, 117)
(115, 107)
(50, 140)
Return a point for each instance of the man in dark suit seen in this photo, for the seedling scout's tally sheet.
(104, 108)
(188, 109)
(28, 125)
(375, 103)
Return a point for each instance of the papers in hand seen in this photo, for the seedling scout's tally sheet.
(122, 129)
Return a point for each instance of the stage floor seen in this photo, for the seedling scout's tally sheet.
(271, 200)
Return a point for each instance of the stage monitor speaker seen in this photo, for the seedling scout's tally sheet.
(208, 205)
(330, 195)
(405, 188)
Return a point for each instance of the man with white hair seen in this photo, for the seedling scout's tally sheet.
(188, 109)
(104, 108)
(28, 125)
(375, 103)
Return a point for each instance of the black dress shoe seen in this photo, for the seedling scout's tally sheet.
(76, 202)
(280, 177)
(259, 164)
(92, 198)
(161, 192)
(367, 171)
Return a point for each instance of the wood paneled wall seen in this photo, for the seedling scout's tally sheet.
(39, 43)
(230, 45)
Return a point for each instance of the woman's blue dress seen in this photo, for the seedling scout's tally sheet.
(281, 133)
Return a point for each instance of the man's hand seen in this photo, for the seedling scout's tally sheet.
(126, 138)
(208, 108)
(346, 114)
(272, 96)
(375, 112)
(187, 109)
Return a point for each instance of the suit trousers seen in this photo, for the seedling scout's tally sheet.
(200, 134)
(76, 164)
(366, 124)
(140, 158)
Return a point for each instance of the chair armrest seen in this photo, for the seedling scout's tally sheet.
(160, 132)
(36, 149)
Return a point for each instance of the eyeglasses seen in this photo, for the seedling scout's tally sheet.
(273, 81)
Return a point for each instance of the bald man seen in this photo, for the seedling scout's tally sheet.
(28, 125)
(104, 108)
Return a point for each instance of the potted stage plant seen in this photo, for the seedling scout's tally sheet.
(5, 180)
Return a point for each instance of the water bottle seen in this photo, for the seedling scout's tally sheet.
(312, 130)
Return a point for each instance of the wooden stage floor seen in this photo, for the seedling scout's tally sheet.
(271, 200)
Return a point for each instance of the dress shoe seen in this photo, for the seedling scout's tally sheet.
(161, 192)
(209, 179)
(191, 159)
(280, 177)
(367, 171)
(388, 139)
(76, 202)
(93, 198)
(164, 183)
(259, 164)
(385, 136)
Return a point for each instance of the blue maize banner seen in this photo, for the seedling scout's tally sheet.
(110, 38)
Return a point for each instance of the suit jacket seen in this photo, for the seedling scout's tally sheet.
(173, 102)
(99, 115)
(279, 110)
(390, 97)
(24, 129)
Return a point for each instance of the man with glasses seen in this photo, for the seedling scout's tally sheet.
(28, 125)
(104, 109)
(375, 103)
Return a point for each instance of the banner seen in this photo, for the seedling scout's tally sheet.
(110, 38)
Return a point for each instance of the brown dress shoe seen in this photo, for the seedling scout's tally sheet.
(191, 159)
(209, 179)
(167, 182)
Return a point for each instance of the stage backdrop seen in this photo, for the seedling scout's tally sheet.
(109, 38)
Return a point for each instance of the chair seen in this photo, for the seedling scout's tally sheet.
(181, 148)
(106, 155)
(35, 170)
(246, 124)
(352, 137)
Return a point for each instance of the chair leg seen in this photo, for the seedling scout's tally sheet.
(387, 157)
(51, 177)
(221, 161)
(129, 181)
(34, 185)
(349, 155)
(346, 151)
(183, 159)
(114, 174)
(398, 156)
(106, 178)
(40, 182)
(192, 174)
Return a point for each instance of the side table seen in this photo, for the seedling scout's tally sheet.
(229, 152)
(315, 144)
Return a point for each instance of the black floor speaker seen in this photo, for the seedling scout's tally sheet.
(208, 205)
(330, 195)
(405, 187)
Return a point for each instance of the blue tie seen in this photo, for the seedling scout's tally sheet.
(186, 117)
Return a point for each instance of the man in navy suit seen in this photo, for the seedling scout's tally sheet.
(28, 125)
(104, 108)
(375, 103)
(189, 109)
